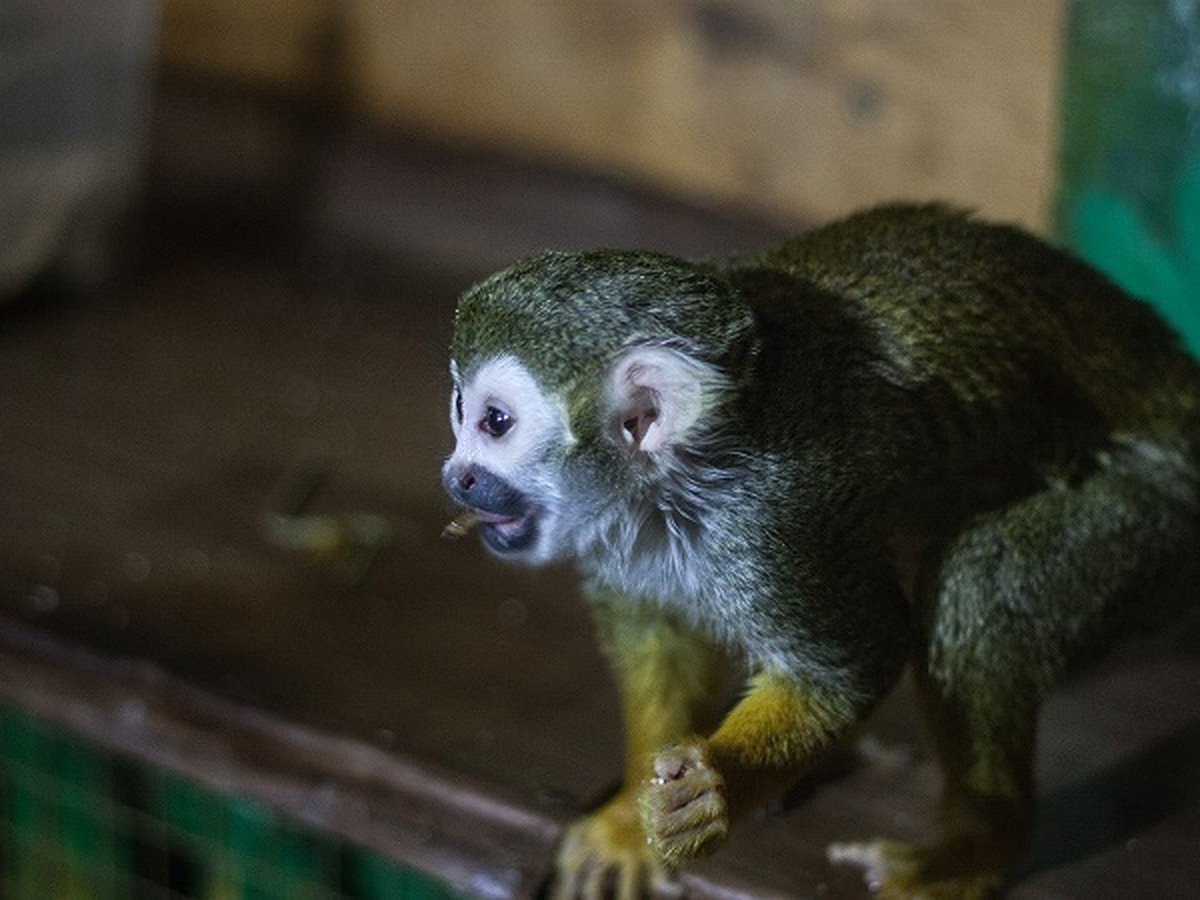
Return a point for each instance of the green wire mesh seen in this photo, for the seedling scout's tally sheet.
(1129, 181)
(80, 823)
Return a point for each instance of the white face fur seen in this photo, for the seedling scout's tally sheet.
(501, 418)
(503, 423)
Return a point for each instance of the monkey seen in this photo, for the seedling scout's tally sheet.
(908, 438)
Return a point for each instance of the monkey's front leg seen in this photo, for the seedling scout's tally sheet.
(668, 678)
(766, 742)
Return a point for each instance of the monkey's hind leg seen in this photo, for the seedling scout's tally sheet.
(986, 811)
(1016, 601)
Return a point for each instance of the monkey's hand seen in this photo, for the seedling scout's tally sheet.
(683, 807)
(606, 855)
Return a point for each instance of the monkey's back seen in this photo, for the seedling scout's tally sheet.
(1003, 320)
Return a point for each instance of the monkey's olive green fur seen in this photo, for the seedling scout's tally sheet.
(906, 437)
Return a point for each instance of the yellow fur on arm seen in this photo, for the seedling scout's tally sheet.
(772, 736)
(668, 677)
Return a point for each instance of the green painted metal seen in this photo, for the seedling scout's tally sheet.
(79, 822)
(1129, 183)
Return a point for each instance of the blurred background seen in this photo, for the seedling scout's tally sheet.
(1073, 118)
(235, 659)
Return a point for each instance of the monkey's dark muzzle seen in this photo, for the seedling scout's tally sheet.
(504, 515)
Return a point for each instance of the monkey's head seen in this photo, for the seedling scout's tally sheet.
(580, 381)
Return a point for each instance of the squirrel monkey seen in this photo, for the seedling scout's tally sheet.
(906, 437)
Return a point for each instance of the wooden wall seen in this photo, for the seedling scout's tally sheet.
(786, 108)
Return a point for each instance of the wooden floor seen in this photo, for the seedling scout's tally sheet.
(425, 701)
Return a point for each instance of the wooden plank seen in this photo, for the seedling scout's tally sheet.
(443, 822)
(798, 110)
(282, 45)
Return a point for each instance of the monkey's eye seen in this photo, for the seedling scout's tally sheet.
(496, 422)
(458, 406)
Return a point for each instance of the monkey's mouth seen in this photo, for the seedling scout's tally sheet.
(506, 533)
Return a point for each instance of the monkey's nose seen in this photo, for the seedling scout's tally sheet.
(460, 481)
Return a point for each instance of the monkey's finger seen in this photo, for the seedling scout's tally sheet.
(675, 762)
(699, 841)
(568, 883)
(646, 878)
(575, 865)
(601, 879)
(696, 815)
(595, 881)
(631, 882)
(698, 833)
(678, 793)
(582, 875)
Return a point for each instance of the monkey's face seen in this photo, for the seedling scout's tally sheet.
(537, 490)
(509, 437)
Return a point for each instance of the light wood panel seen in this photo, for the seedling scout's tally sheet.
(791, 109)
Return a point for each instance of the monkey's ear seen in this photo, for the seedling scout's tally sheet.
(657, 394)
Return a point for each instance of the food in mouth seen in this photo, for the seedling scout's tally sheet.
(459, 526)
